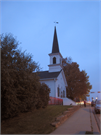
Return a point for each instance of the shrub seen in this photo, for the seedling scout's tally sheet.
(44, 94)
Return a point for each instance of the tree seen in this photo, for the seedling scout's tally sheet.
(9, 102)
(77, 80)
(19, 85)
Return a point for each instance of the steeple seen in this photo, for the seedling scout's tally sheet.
(55, 57)
(55, 48)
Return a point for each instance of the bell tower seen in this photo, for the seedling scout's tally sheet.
(55, 55)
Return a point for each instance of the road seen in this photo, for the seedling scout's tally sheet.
(98, 115)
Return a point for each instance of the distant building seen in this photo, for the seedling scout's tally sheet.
(55, 77)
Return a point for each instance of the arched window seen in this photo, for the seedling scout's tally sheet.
(54, 60)
(60, 61)
(58, 91)
(63, 93)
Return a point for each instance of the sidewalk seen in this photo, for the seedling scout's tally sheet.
(78, 123)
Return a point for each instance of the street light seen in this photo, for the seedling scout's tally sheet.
(92, 92)
(98, 92)
(96, 99)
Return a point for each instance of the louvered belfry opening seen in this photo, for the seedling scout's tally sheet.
(54, 60)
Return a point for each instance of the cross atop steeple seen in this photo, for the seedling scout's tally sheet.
(55, 48)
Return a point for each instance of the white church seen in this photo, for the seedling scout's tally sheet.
(55, 77)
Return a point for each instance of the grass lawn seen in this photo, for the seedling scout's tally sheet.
(34, 122)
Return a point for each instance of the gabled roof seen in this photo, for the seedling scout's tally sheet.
(47, 74)
(55, 48)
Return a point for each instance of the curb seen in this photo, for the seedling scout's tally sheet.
(65, 115)
(97, 120)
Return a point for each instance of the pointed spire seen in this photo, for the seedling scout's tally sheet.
(55, 48)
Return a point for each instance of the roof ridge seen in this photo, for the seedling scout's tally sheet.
(49, 74)
(44, 71)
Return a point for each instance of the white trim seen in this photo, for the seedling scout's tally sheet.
(64, 78)
(50, 54)
(48, 79)
(55, 65)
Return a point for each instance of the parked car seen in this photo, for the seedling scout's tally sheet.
(93, 103)
(97, 107)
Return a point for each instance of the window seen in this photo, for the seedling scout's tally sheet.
(54, 60)
(58, 91)
(63, 93)
(60, 61)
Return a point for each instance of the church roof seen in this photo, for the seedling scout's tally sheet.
(47, 74)
(55, 48)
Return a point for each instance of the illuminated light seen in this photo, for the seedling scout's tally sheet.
(99, 92)
(88, 101)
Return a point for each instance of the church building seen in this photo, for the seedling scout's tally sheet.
(54, 78)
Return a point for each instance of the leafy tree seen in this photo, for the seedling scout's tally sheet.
(78, 81)
(9, 102)
(20, 87)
